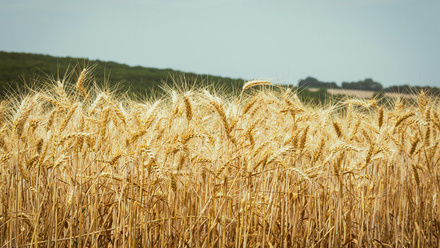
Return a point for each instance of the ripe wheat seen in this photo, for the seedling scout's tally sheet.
(83, 168)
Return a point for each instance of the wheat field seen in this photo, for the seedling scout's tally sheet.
(82, 167)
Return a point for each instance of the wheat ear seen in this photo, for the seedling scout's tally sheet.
(254, 83)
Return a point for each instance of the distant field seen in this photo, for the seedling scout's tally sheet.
(362, 93)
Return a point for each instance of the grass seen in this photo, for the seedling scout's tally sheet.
(83, 167)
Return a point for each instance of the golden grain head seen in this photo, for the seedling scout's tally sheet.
(253, 83)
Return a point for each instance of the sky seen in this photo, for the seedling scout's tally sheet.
(394, 42)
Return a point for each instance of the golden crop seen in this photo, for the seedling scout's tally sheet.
(85, 168)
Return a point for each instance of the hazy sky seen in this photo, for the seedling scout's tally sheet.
(391, 41)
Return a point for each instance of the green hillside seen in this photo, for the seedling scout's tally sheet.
(17, 69)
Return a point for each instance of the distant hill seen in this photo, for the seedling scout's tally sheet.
(17, 68)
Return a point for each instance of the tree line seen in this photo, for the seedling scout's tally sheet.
(367, 84)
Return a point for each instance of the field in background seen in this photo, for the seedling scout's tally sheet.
(83, 167)
(364, 93)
